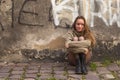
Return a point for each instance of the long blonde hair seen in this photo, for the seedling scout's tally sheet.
(86, 33)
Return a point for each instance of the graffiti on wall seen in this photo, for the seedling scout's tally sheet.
(21, 14)
(1, 26)
(32, 13)
(107, 10)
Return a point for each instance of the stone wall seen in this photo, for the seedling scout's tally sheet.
(30, 27)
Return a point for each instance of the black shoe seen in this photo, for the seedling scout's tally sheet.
(78, 65)
(78, 70)
(84, 70)
(83, 64)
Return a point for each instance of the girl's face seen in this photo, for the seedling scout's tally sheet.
(79, 25)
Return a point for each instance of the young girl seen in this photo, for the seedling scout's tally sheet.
(79, 43)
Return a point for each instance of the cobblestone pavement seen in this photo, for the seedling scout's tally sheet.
(55, 71)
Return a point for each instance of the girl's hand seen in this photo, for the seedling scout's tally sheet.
(75, 38)
(81, 38)
(67, 45)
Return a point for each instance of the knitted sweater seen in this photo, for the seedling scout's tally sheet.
(77, 46)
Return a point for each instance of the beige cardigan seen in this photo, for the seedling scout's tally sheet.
(76, 46)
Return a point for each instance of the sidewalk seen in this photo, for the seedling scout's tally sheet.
(55, 71)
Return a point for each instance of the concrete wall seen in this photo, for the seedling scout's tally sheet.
(35, 28)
